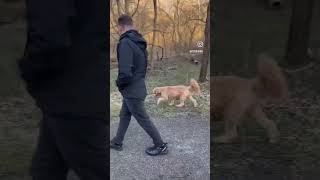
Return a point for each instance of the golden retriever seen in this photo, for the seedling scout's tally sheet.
(235, 97)
(180, 92)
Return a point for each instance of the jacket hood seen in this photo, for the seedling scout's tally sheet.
(136, 37)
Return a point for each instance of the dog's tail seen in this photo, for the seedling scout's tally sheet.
(270, 81)
(194, 87)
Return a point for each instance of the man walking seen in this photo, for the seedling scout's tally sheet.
(65, 70)
(132, 64)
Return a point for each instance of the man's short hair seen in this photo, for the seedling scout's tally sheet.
(125, 20)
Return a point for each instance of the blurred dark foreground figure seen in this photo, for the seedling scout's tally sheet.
(65, 70)
(132, 64)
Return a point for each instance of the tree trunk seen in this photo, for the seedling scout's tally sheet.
(298, 41)
(179, 36)
(154, 31)
(206, 51)
(164, 46)
(192, 32)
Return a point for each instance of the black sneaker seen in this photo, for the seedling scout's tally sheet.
(116, 146)
(157, 150)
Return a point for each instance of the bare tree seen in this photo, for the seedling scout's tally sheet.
(136, 9)
(127, 6)
(175, 26)
(206, 51)
(154, 31)
(119, 7)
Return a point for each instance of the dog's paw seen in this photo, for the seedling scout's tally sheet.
(180, 105)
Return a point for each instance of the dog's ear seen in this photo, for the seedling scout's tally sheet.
(155, 91)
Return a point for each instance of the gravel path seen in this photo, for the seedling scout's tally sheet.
(188, 158)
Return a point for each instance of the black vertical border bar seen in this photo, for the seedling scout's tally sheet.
(212, 7)
(106, 13)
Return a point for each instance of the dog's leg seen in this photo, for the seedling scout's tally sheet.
(268, 124)
(182, 99)
(232, 117)
(230, 133)
(195, 104)
(171, 102)
(160, 100)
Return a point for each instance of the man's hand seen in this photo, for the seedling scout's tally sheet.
(39, 66)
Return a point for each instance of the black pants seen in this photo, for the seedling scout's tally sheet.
(135, 108)
(77, 144)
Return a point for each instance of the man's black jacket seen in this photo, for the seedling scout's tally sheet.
(132, 64)
(65, 61)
